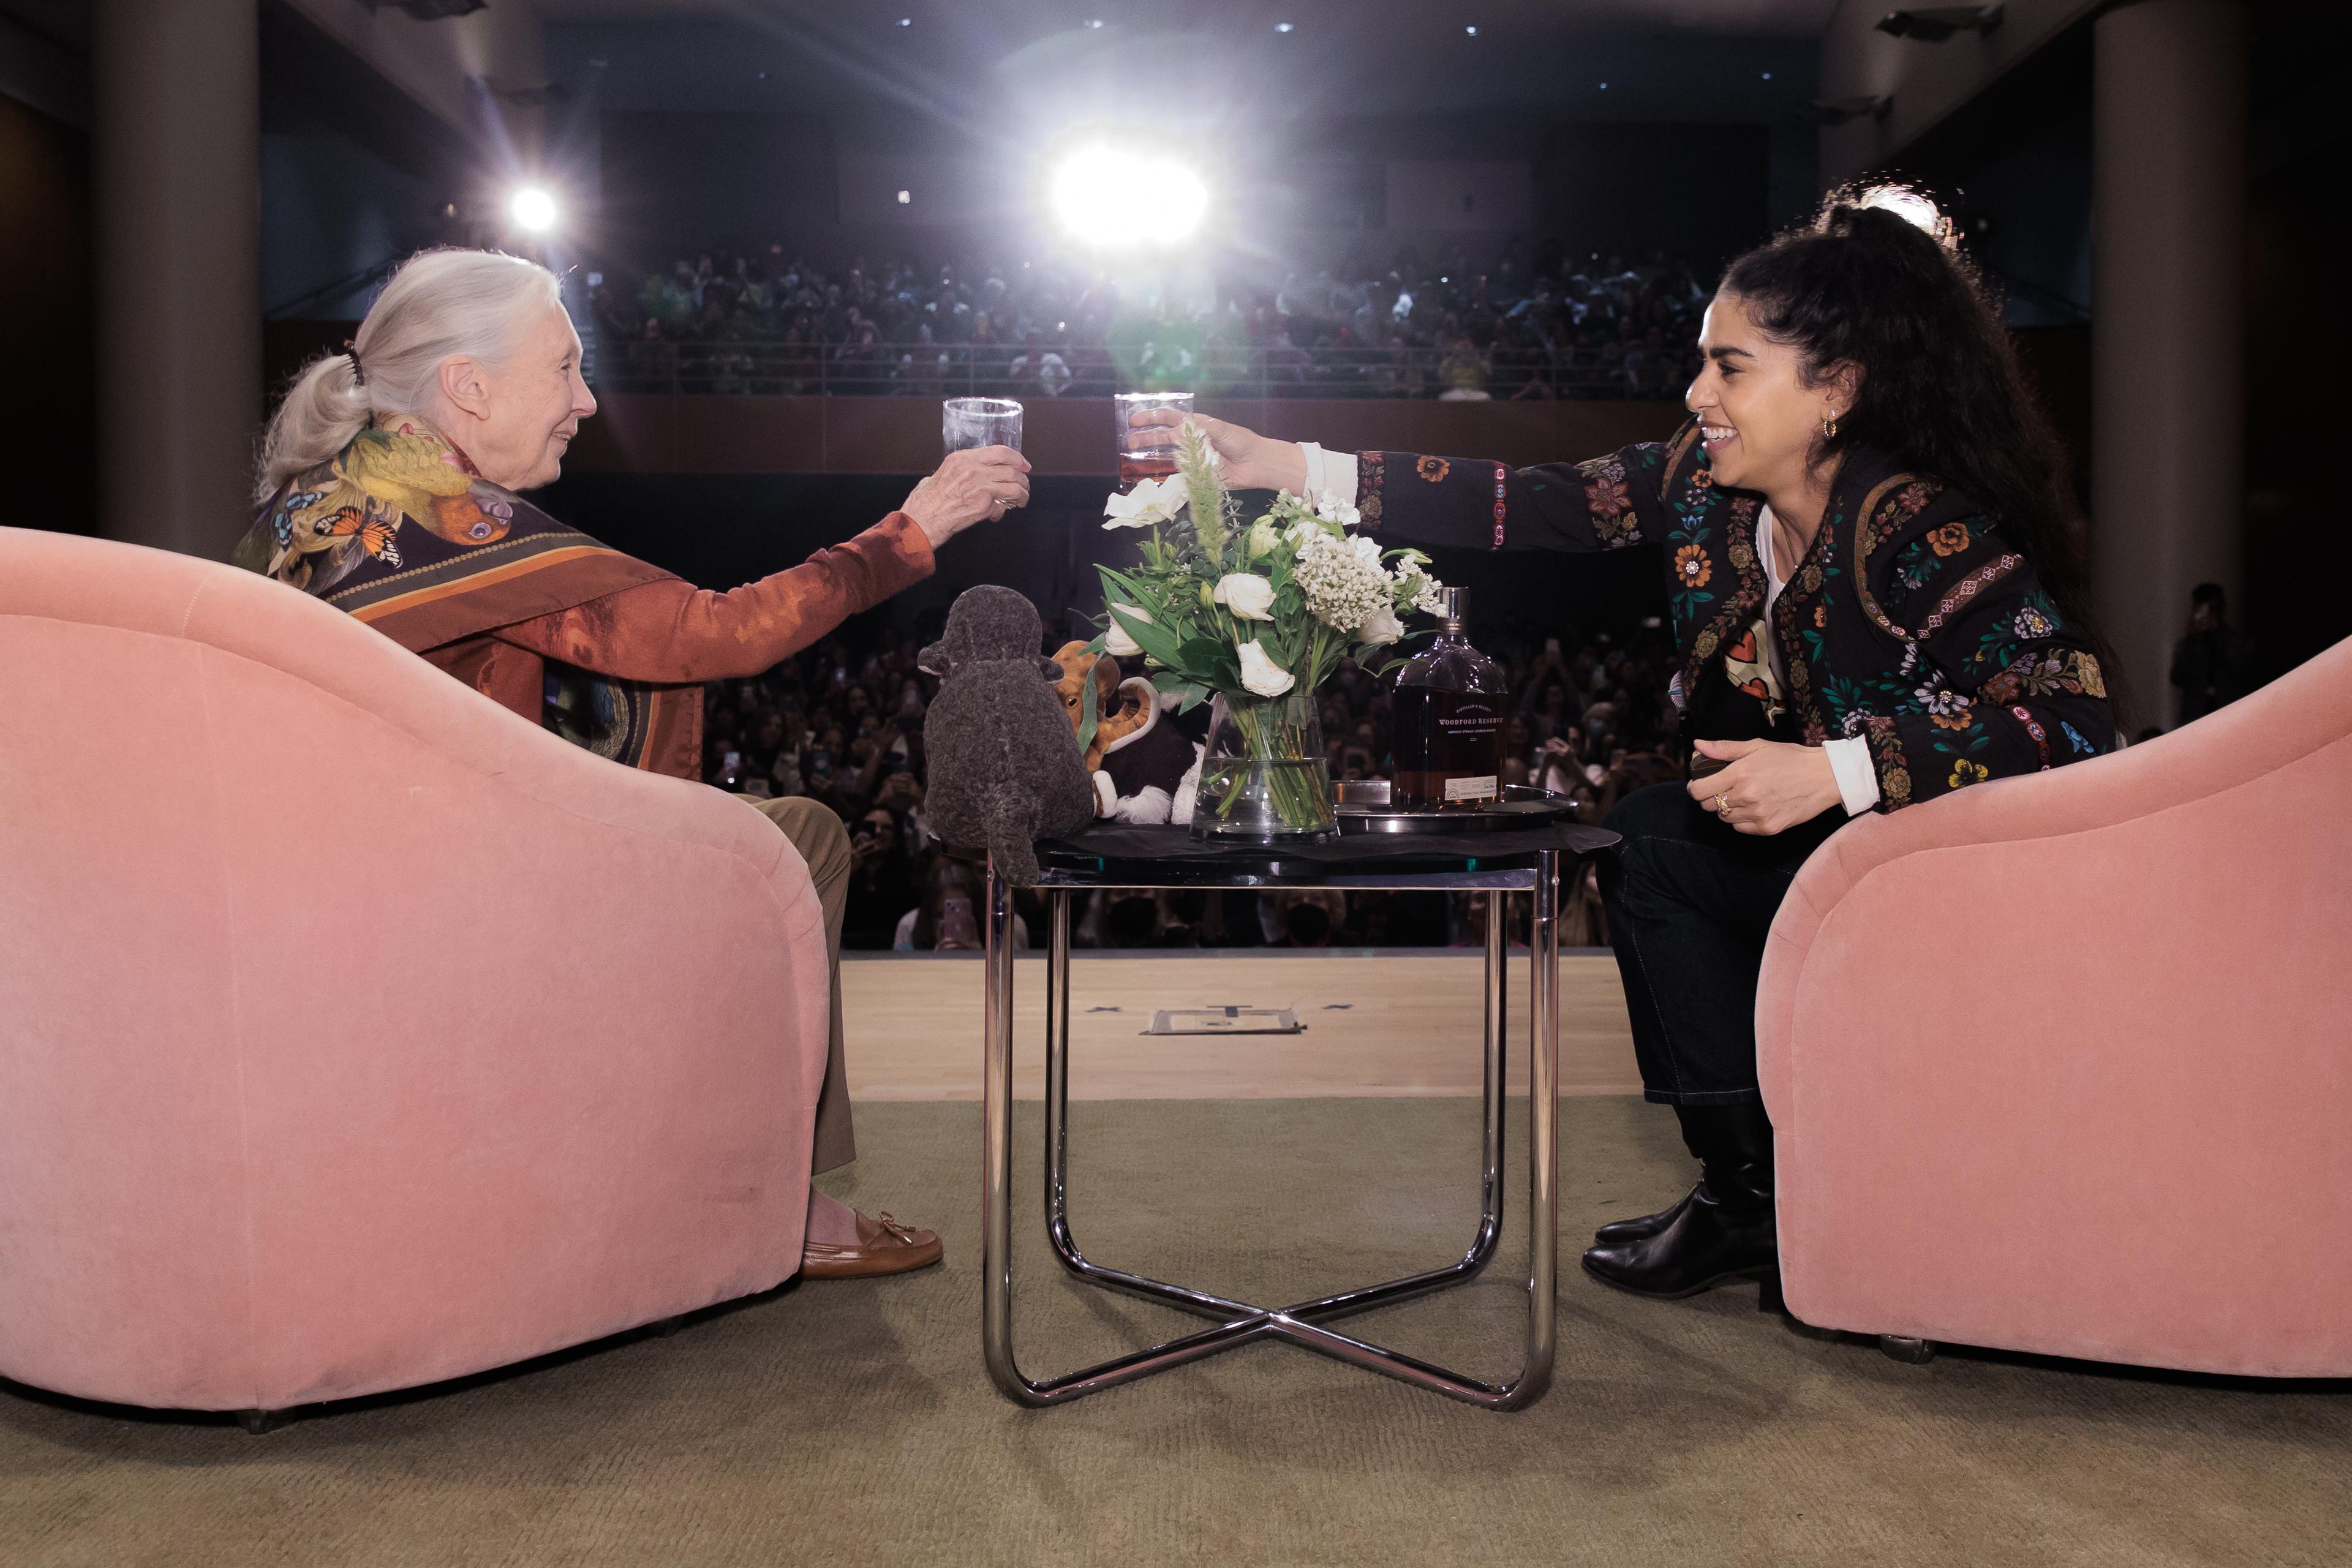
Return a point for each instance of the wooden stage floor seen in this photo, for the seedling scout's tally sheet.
(1385, 1023)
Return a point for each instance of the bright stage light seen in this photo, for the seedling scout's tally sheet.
(532, 208)
(1120, 201)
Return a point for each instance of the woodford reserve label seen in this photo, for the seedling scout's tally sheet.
(1449, 747)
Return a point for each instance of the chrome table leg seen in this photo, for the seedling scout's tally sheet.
(1239, 1322)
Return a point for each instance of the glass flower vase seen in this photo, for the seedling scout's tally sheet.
(1263, 779)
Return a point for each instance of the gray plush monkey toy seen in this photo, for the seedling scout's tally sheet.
(1005, 768)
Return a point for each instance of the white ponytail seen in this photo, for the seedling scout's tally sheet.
(439, 304)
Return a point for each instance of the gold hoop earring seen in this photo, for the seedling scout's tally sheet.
(1829, 427)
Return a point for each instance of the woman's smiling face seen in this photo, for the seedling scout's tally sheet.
(1758, 416)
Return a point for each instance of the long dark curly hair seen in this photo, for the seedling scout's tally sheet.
(1940, 384)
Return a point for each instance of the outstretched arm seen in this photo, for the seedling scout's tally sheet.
(672, 632)
(1606, 503)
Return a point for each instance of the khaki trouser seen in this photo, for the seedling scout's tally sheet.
(824, 843)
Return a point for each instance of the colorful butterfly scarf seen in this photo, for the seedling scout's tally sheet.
(399, 530)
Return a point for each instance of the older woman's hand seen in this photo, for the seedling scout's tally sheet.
(978, 484)
(1253, 462)
(1770, 786)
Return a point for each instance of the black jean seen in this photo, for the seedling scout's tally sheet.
(1689, 901)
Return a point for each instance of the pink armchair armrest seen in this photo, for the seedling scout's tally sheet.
(2064, 1064)
(358, 1034)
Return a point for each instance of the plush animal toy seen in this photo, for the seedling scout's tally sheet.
(1139, 763)
(1004, 771)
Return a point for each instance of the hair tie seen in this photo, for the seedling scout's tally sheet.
(359, 376)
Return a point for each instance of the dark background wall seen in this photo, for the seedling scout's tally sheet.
(2298, 505)
(48, 331)
(2014, 167)
(1698, 192)
(680, 181)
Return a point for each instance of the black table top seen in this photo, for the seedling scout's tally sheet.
(1116, 854)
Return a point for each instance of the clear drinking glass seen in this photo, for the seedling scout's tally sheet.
(1137, 460)
(979, 422)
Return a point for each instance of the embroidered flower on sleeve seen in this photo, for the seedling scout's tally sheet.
(1966, 773)
(1962, 720)
(1691, 568)
(1433, 469)
(2032, 623)
(1937, 702)
(1949, 540)
(1821, 617)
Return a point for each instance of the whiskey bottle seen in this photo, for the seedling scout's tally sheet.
(1449, 722)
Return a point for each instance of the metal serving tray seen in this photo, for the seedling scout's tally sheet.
(1522, 806)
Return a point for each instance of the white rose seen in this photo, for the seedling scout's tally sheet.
(1115, 642)
(1261, 674)
(1249, 597)
(1150, 501)
(1380, 628)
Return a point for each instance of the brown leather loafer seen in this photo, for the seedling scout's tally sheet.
(884, 1246)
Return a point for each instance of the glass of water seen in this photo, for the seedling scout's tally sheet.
(1149, 453)
(979, 422)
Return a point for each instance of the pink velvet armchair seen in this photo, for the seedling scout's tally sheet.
(355, 1033)
(2064, 1064)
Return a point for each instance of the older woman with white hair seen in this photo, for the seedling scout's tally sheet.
(389, 480)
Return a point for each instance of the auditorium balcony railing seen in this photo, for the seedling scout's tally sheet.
(754, 368)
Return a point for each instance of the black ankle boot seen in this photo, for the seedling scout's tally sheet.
(1647, 1225)
(1723, 1231)
(1701, 1131)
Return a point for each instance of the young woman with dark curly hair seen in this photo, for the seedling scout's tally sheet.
(1872, 566)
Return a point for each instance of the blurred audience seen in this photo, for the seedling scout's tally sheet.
(1520, 323)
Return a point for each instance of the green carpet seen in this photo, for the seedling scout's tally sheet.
(851, 1423)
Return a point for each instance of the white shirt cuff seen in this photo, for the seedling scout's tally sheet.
(1329, 473)
(1857, 781)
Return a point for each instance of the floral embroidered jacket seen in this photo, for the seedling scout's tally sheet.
(400, 531)
(1910, 622)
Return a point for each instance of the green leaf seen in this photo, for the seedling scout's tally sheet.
(1086, 717)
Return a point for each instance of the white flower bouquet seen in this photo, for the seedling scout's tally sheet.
(1256, 616)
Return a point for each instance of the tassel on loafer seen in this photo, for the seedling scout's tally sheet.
(884, 1246)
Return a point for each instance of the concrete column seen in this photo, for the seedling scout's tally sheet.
(2169, 279)
(176, 156)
